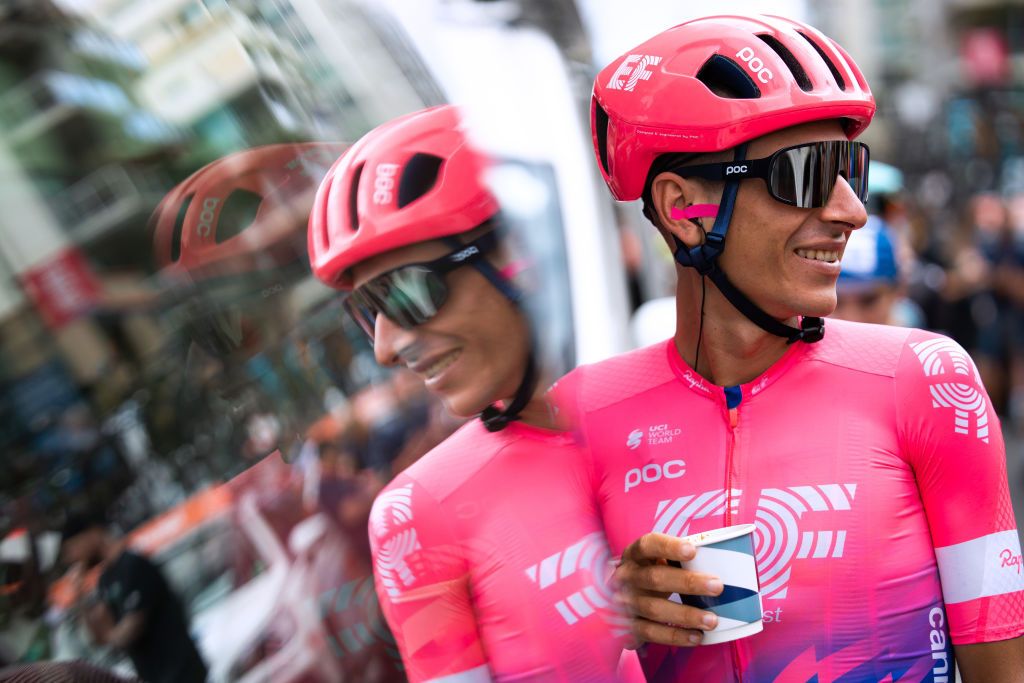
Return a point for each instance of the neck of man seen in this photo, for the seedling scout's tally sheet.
(733, 350)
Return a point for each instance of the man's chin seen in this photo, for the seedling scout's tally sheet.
(820, 306)
(462, 406)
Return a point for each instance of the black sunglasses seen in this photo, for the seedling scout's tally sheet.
(802, 176)
(412, 294)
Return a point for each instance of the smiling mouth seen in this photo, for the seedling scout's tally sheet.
(818, 255)
(441, 364)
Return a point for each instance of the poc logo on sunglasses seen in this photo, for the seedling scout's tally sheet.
(465, 254)
(733, 170)
(763, 73)
(384, 183)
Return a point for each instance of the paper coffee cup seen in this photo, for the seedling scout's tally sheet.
(728, 553)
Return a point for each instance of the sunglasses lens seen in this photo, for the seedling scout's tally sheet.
(407, 296)
(361, 312)
(805, 175)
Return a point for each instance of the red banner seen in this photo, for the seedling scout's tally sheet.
(62, 288)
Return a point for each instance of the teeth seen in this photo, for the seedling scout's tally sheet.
(818, 255)
(438, 367)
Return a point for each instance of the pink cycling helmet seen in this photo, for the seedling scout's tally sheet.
(773, 73)
(241, 212)
(410, 180)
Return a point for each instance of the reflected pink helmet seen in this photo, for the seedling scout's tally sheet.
(410, 180)
(658, 98)
(243, 212)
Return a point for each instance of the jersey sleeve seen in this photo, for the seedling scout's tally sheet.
(422, 583)
(952, 439)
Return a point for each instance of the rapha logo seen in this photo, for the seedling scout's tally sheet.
(1009, 559)
(632, 70)
(695, 382)
(759, 387)
(636, 437)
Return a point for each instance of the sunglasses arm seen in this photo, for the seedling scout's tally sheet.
(733, 170)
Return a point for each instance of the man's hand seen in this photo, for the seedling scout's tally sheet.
(645, 581)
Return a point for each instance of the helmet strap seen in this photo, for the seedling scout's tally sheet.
(704, 258)
(494, 418)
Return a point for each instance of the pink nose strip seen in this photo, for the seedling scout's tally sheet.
(694, 211)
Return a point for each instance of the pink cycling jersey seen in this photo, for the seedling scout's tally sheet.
(490, 561)
(873, 466)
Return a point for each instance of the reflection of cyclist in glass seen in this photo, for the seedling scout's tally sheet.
(230, 244)
(488, 556)
(869, 457)
(136, 610)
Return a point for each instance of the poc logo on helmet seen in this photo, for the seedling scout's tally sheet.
(632, 70)
(206, 217)
(652, 472)
(762, 72)
(384, 183)
(733, 170)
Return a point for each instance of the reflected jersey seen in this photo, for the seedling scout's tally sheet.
(873, 467)
(490, 562)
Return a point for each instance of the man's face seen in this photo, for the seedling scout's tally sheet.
(786, 259)
(472, 353)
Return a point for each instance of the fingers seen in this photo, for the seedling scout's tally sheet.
(652, 632)
(652, 547)
(658, 609)
(661, 578)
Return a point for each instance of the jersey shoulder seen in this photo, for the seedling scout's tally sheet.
(863, 347)
(622, 377)
(452, 463)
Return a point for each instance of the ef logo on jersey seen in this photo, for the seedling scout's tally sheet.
(632, 70)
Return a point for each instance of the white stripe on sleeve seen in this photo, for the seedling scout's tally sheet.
(981, 567)
(480, 674)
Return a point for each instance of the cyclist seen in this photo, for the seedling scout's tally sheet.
(488, 553)
(869, 457)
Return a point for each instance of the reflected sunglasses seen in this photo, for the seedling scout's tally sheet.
(802, 176)
(412, 294)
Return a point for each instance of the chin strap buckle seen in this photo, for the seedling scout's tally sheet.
(811, 330)
(495, 420)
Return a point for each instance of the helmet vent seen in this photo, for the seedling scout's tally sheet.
(726, 78)
(840, 81)
(353, 198)
(237, 214)
(791, 61)
(418, 177)
(179, 225)
(601, 130)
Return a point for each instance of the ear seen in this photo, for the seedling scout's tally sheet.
(668, 192)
